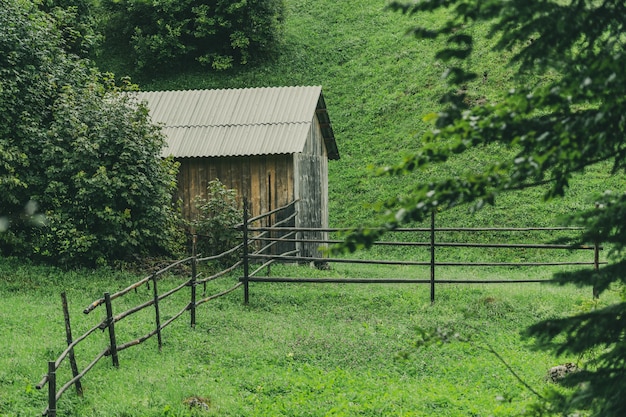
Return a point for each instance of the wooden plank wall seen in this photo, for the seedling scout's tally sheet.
(312, 189)
(267, 181)
(310, 192)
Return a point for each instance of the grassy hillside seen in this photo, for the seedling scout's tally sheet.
(378, 83)
(369, 72)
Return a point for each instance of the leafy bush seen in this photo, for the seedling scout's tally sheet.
(218, 214)
(217, 34)
(77, 145)
(77, 23)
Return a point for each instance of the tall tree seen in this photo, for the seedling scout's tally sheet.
(572, 120)
(76, 145)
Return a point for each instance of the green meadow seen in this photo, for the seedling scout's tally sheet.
(332, 349)
(294, 350)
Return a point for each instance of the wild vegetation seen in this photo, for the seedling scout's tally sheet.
(556, 128)
(82, 178)
(215, 222)
(339, 350)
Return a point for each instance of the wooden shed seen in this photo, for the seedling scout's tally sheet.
(271, 144)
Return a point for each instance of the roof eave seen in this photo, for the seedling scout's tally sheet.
(327, 129)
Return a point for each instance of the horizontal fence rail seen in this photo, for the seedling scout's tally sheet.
(413, 263)
(264, 236)
(439, 244)
(388, 280)
(409, 229)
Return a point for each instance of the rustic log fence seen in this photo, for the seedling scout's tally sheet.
(259, 249)
(109, 323)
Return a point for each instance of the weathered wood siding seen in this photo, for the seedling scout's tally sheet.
(311, 190)
(267, 181)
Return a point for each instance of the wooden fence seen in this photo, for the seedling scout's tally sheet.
(109, 323)
(262, 246)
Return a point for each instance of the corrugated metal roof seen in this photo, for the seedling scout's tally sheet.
(266, 139)
(238, 122)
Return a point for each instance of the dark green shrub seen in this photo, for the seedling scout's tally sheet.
(217, 34)
(76, 22)
(77, 145)
(218, 214)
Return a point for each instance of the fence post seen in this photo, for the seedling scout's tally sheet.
(194, 272)
(157, 314)
(432, 256)
(596, 266)
(68, 334)
(246, 265)
(52, 389)
(111, 326)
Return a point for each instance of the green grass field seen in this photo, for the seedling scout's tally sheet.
(295, 350)
(307, 349)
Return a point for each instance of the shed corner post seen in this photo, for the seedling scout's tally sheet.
(246, 265)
